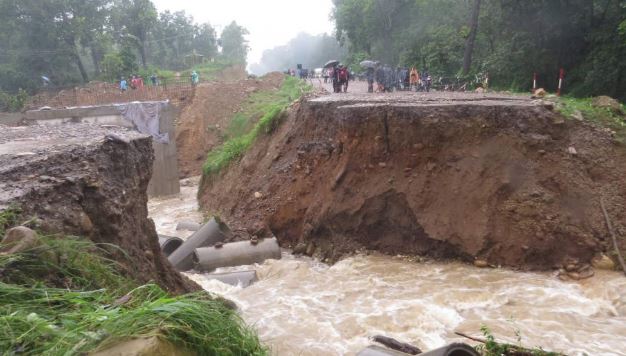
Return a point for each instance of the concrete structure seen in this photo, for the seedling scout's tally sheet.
(10, 119)
(211, 233)
(188, 225)
(374, 350)
(456, 349)
(165, 180)
(236, 254)
(169, 244)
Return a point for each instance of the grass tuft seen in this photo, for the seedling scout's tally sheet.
(570, 107)
(267, 107)
(65, 297)
(8, 218)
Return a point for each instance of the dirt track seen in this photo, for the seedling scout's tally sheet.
(462, 175)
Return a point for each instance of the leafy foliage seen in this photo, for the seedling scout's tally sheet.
(493, 348)
(514, 40)
(233, 42)
(13, 102)
(72, 41)
(572, 107)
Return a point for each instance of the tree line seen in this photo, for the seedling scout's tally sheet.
(508, 39)
(74, 41)
(312, 51)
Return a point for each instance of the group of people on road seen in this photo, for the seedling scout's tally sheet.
(136, 81)
(387, 79)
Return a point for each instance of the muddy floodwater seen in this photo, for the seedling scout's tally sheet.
(303, 307)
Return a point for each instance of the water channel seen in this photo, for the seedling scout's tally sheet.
(303, 307)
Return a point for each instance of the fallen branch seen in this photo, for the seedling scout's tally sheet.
(612, 232)
(477, 339)
(397, 345)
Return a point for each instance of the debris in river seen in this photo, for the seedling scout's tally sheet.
(397, 345)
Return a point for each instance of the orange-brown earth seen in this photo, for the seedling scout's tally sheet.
(499, 178)
(203, 123)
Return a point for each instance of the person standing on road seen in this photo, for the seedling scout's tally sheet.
(380, 79)
(370, 79)
(414, 79)
(343, 78)
(195, 78)
(123, 85)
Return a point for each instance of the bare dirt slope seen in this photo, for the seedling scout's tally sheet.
(203, 123)
(467, 176)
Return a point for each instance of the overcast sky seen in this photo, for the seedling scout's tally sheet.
(271, 22)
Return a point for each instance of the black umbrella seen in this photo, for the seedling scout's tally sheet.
(331, 63)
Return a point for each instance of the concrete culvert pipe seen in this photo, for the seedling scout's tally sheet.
(456, 349)
(209, 234)
(236, 254)
(169, 244)
(188, 225)
(375, 350)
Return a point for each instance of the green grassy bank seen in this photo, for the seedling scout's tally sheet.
(614, 119)
(260, 114)
(65, 297)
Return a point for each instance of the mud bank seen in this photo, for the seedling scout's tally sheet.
(204, 123)
(500, 178)
(90, 181)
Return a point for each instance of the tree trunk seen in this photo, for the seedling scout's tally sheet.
(81, 67)
(471, 39)
(142, 52)
(95, 58)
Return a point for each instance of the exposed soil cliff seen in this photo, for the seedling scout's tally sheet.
(203, 123)
(88, 181)
(499, 178)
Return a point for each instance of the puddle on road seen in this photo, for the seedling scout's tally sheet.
(303, 307)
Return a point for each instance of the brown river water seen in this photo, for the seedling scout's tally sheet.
(303, 307)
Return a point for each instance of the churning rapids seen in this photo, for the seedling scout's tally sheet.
(303, 307)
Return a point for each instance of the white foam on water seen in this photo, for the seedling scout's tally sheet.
(302, 307)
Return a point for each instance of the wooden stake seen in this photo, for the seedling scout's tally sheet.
(612, 232)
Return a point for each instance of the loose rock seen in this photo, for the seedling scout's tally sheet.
(603, 262)
(18, 239)
(481, 263)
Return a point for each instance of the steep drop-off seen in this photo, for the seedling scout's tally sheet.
(89, 181)
(499, 178)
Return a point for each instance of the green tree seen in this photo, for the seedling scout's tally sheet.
(233, 42)
(135, 19)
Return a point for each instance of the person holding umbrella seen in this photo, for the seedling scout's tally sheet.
(334, 74)
(369, 68)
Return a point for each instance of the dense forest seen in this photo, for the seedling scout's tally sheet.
(74, 41)
(508, 39)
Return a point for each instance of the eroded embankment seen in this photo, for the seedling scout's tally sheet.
(497, 178)
(88, 181)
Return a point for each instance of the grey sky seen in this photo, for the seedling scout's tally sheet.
(271, 22)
